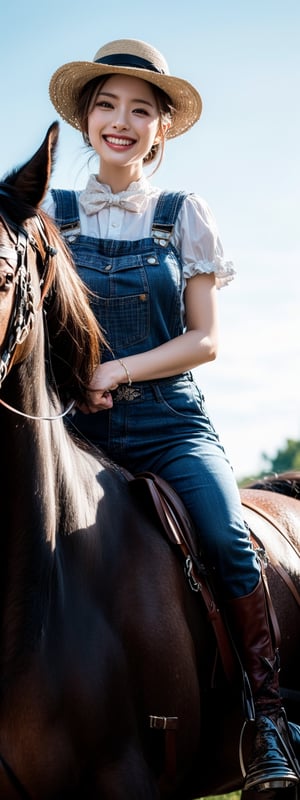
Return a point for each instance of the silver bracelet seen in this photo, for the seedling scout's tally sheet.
(129, 381)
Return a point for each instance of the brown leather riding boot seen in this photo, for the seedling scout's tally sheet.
(273, 763)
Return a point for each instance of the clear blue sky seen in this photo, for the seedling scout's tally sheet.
(243, 157)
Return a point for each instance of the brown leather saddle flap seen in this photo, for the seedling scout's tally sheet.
(177, 527)
(170, 510)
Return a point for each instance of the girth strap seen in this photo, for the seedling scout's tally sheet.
(169, 725)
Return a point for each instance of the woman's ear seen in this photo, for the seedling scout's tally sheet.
(166, 127)
(161, 133)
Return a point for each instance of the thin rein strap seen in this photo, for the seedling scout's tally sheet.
(32, 416)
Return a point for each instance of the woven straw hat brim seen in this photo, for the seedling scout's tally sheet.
(68, 81)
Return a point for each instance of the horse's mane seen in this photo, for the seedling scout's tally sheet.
(75, 338)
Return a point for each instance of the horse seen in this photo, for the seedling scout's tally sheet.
(111, 682)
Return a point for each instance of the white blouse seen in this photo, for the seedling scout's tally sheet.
(129, 215)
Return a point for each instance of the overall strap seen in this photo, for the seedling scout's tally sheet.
(66, 209)
(166, 212)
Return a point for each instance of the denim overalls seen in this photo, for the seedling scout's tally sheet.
(162, 425)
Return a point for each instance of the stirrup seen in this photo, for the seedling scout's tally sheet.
(272, 765)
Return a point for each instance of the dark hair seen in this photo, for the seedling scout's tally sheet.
(87, 97)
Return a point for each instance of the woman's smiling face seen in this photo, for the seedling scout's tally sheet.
(123, 122)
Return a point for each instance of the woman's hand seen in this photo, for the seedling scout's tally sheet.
(106, 378)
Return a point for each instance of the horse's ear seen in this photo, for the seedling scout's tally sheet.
(32, 180)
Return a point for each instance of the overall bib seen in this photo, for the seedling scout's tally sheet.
(160, 426)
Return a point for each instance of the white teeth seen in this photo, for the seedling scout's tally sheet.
(115, 140)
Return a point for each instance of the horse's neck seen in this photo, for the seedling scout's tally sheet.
(53, 478)
(28, 512)
(48, 490)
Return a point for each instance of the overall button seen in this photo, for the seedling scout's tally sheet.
(152, 260)
(108, 267)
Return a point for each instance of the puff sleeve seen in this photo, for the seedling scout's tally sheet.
(197, 239)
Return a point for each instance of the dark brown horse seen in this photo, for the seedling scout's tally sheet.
(99, 626)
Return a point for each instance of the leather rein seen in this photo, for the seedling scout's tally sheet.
(22, 318)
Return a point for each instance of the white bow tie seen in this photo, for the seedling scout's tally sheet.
(92, 201)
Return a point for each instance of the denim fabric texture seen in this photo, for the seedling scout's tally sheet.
(162, 426)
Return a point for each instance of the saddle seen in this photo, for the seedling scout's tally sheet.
(177, 527)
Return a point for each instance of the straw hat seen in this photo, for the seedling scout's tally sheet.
(125, 57)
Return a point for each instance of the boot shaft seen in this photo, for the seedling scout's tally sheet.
(253, 634)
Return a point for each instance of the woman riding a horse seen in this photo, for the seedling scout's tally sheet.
(153, 261)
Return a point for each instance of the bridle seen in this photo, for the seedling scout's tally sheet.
(21, 320)
(22, 317)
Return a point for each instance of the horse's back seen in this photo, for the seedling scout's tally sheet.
(282, 510)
